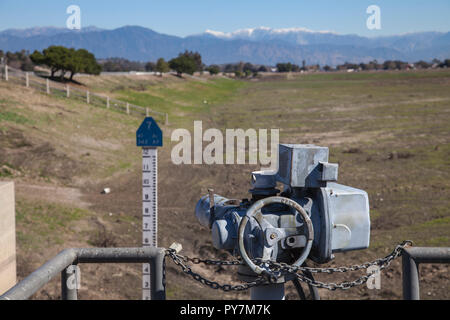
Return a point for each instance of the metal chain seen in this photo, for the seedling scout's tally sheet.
(211, 262)
(275, 269)
(180, 261)
(382, 263)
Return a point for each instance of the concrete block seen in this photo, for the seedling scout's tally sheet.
(7, 237)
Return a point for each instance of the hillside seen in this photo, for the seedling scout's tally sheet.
(388, 131)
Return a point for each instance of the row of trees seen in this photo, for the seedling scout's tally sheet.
(246, 69)
(124, 65)
(121, 65)
(63, 60)
(240, 70)
(372, 65)
(288, 67)
(186, 62)
(392, 65)
(19, 60)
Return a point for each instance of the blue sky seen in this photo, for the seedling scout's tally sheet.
(185, 17)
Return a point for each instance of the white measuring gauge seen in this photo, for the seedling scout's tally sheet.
(150, 210)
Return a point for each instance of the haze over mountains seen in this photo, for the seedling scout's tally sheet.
(260, 45)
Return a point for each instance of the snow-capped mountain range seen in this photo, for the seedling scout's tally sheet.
(260, 45)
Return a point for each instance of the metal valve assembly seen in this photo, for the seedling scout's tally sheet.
(312, 218)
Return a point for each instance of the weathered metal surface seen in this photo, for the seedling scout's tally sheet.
(255, 212)
(429, 255)
(158, 281)
(314, 292)
(30, 285)
(348, 211)
(339, 214)
(410, 270)
(329, 171)
(299, 165)
(411, 258)
(203, 210)
(117, 255)
(69, 286)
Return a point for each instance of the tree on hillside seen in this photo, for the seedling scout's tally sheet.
(82, 61)
(249, 68)
(197, 59)
(229, 68)
(183, 64)
(213, 69)
(287, 67)
(53, 57)
(162, 66)
(59, 58)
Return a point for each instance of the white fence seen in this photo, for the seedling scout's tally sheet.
(28, 79)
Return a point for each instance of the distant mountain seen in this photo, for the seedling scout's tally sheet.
(260, 45)
(410, 45)
(45, 31)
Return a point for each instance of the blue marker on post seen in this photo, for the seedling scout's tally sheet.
(149, 136)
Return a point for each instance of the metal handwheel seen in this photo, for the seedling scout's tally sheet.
(273, 234)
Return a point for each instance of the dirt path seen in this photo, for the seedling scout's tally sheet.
(52, 193)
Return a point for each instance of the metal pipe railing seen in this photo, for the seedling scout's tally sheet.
(65, 263)
(30, 285)
(411, 258)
